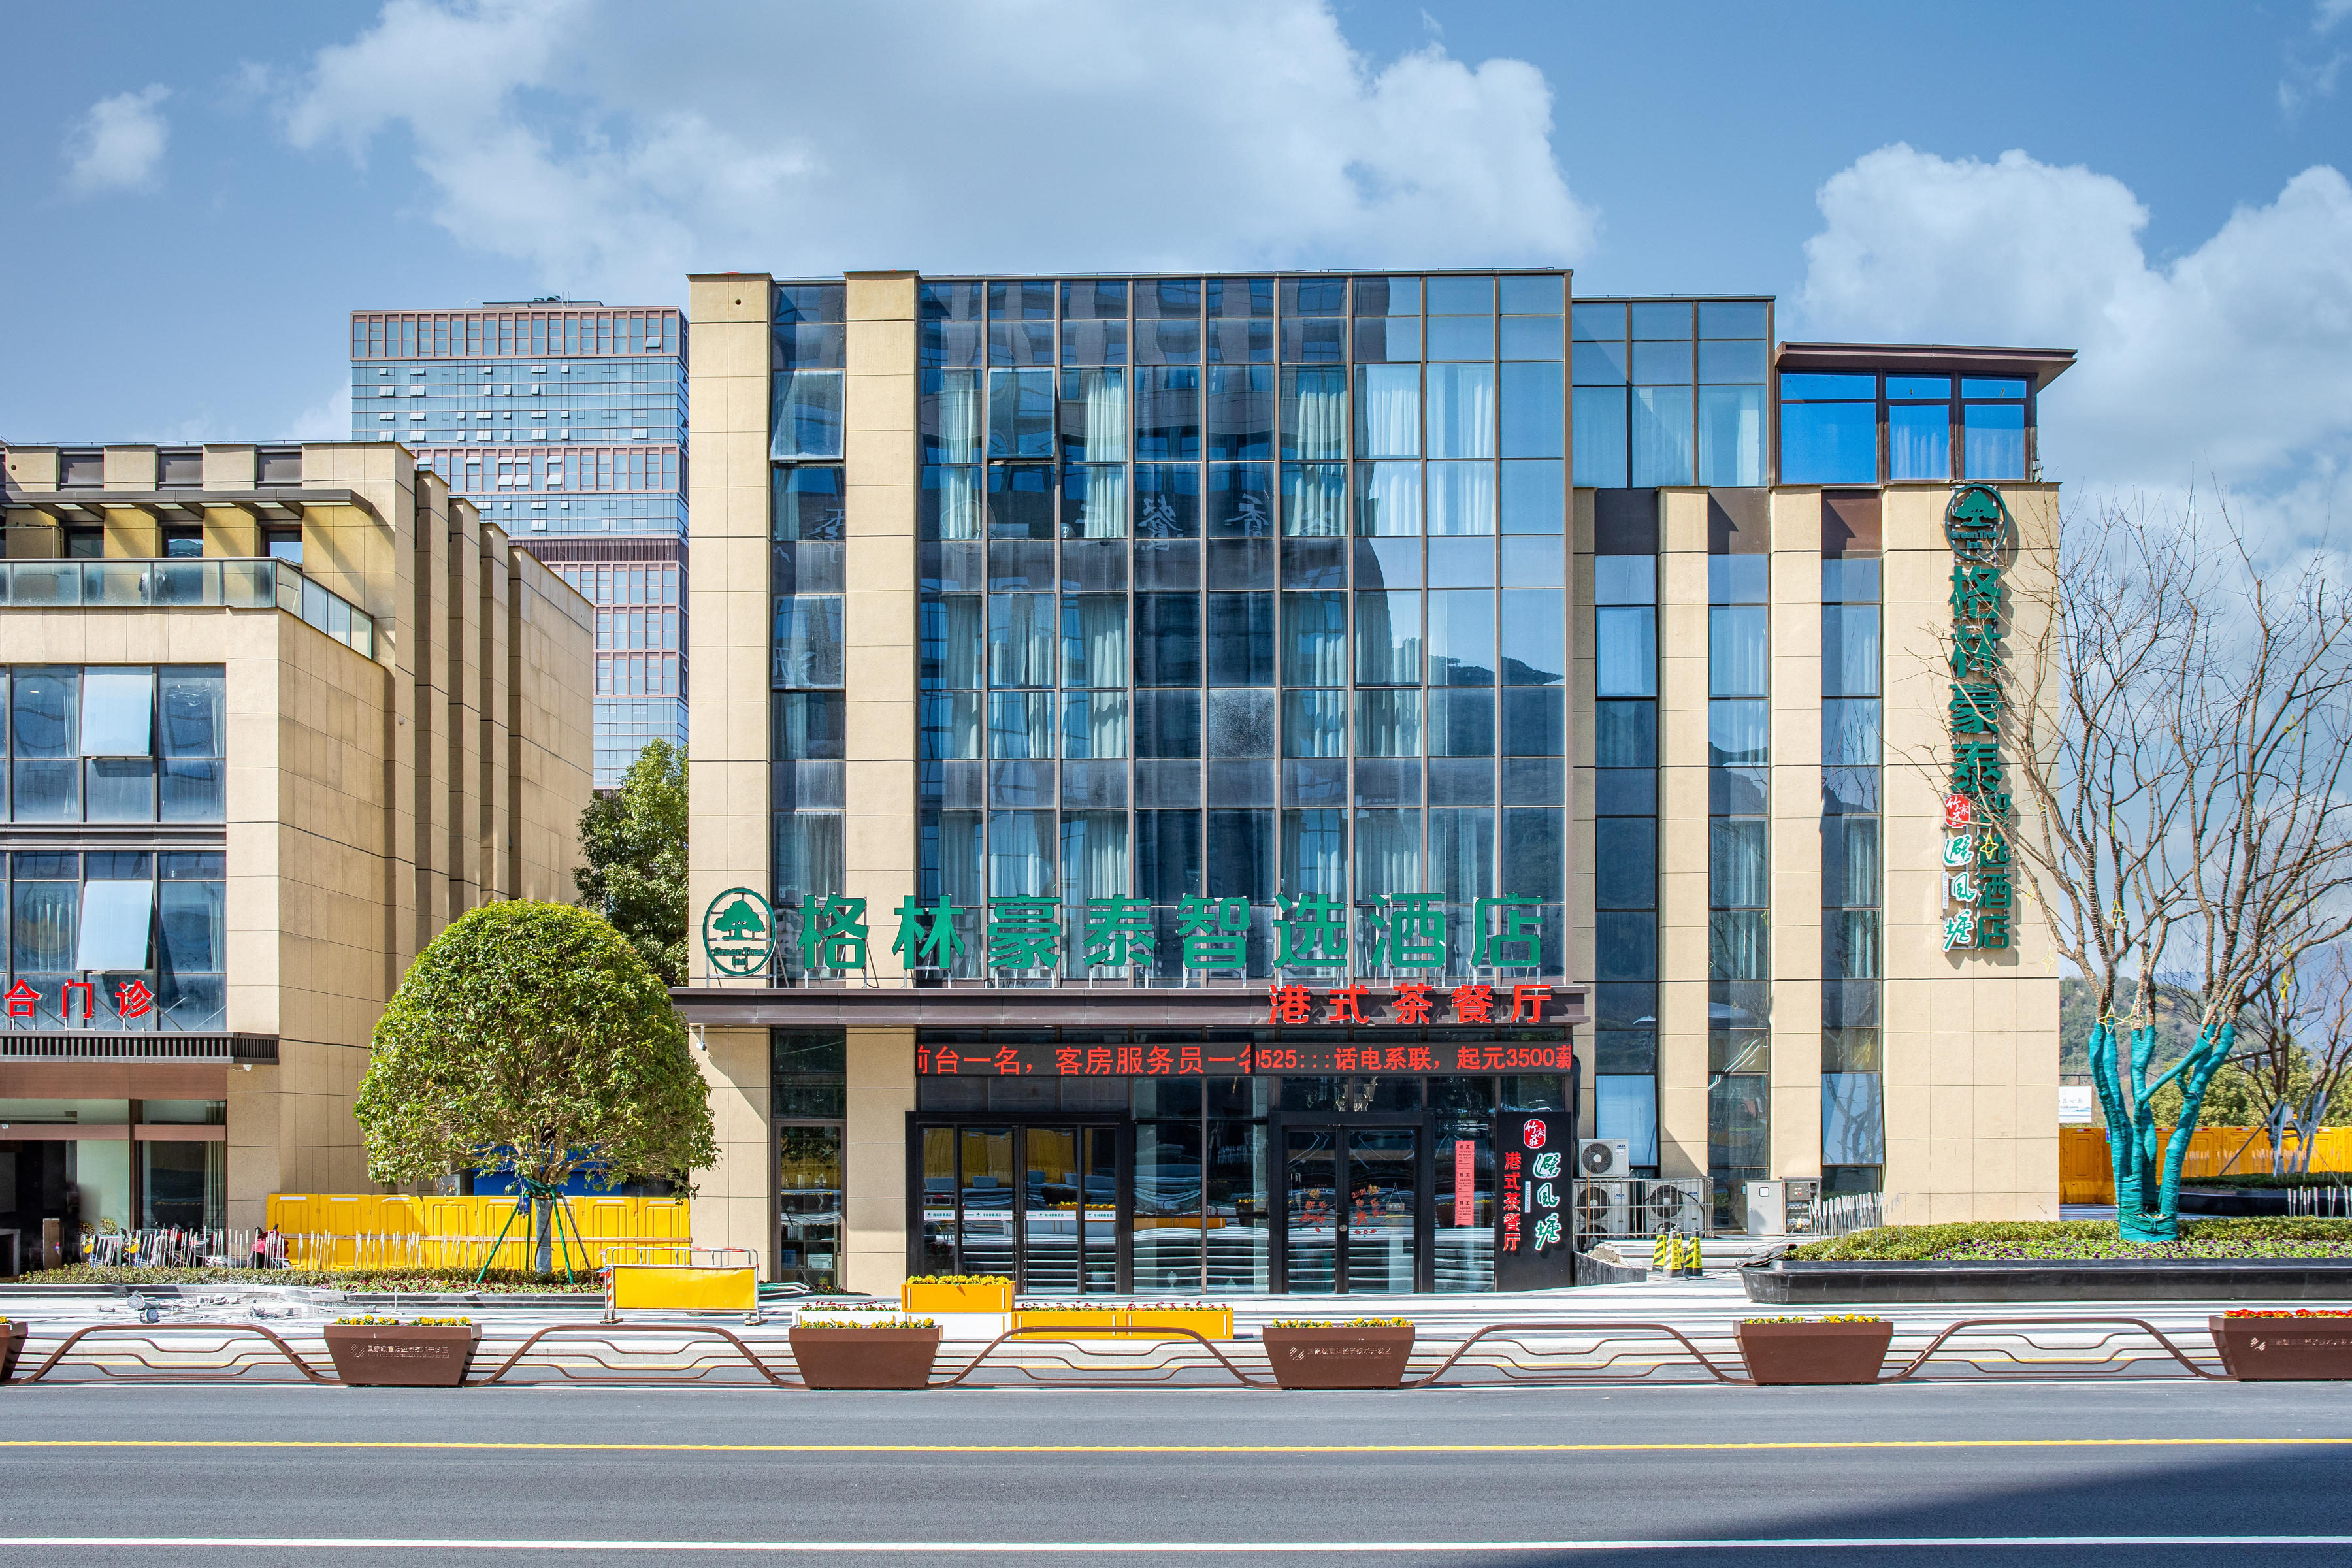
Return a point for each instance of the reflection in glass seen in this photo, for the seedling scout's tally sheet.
(1661, 435)
(1388, 411)
(1731, 436)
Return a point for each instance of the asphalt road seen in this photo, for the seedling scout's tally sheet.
(1934, 1474)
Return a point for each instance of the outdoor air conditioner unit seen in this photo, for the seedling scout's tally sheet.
(1601, 1209)
(1676, 1203)
(1601, 1157)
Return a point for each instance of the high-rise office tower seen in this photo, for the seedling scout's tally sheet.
(565, 421)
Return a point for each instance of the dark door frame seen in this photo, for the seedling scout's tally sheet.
(1278, 1190)
(1122, 1128)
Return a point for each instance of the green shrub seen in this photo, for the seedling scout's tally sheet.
(2067, 1239)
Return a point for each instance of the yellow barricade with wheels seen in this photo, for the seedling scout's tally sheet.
(721, 1285)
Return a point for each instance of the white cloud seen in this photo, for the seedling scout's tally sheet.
(117, 145)
(2328, 12)
(2234, 360)
(614, 148)
(329, 419)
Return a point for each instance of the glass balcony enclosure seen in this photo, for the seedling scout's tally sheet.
(239, 583)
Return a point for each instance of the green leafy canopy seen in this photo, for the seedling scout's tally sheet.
(534, 1028)
(635, 840)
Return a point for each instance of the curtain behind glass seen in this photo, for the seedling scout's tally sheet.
(1461, 411)
(953, 498)
(1461, 497)
(1738, 646)
(1388, 639)
(957, 437)
(1919, 441)
(1850, 735)
(808, 855)
(1021, 641)
(1020, 854)
(1314, 640)
(1315, 414)
(956, 658)
(1388, 411)
(1093, 640)
(808, 650)
(959, 859)
(1094, 855)
(1731, 436)
(1094, 724)
(1388, 854)
(1098, 491)
(1388, 723)
(1462, 853)
(1093, 416)
(806, 420)
(1315, 854)
(1315, 499)
(1739, 864)
(1850, 650)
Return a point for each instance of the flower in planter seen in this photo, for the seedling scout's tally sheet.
(1849, 1318)
(2235, 1313)
(854, 1323)
(955, 1279)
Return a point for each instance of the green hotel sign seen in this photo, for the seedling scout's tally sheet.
(1323, 938)
(1978, 897)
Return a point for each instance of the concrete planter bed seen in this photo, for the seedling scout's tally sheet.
(1790, 1282)
(1815, 1353)
(1339, 1355)
(2283, 1348)
(896, 1356)
(403, 1355)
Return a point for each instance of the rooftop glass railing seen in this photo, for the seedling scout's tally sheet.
(142, 584)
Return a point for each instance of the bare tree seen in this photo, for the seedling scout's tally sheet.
(2183, 742)
(2295, 1040)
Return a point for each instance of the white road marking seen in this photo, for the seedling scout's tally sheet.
(1192, 1548)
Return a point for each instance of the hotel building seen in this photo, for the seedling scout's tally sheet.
(1215, 748)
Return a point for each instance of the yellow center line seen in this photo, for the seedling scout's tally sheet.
(1188, 1448)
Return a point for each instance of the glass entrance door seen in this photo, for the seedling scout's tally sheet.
(1351, 1207)
(808, 1203)
(1039, 1203)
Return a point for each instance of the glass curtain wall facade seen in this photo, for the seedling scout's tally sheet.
(565, 422)
(1671, 392)
(1854, 1138)
(1740, 758)
(1860, 427)
(806, 524)
(1234, 590)
(1624, 1049)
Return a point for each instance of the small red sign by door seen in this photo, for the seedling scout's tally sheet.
(1466, 1181)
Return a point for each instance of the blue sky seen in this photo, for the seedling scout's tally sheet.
(200, 194)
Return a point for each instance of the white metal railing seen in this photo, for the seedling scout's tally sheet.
(239, 583)
(1845, 1215)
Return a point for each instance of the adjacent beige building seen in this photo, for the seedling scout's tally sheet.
(1218, 748)
(277, 715)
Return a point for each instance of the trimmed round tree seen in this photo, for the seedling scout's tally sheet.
(533, 1035)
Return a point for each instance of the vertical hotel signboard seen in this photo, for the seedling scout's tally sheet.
(1977, 896)
(1533, 1248)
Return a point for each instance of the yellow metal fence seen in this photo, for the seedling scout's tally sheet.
(2086, 1176)
(334, 1230)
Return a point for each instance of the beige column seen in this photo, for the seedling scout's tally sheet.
(734, 1201)
(1971, 1038)
(230, 531)
(1682, 834)
(881, 1093)
(727, 633)
(1796, 832)
(878, 484)
(131, 533)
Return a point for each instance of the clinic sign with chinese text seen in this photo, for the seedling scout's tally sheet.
(1314, 937)
(1979, 900)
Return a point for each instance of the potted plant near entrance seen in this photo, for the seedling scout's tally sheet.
(956, 1293)
(12, 1345)
(1841, 1348)
(2308, 1345)
(384, 1352)
(1362, 1353)
(833, 1352)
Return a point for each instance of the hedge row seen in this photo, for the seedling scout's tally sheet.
(2060, 1239)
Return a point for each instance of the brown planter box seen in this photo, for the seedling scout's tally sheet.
(410, 1356)
(11, 1347)
(865, 1358)
(2284, 1349)
(1814, 1353)
(1338, 1357)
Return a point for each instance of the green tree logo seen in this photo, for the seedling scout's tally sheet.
(739, 932)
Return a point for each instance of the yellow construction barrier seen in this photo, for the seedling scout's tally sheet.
(387, 1230)
(680, 1287)
(2086, 1176)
